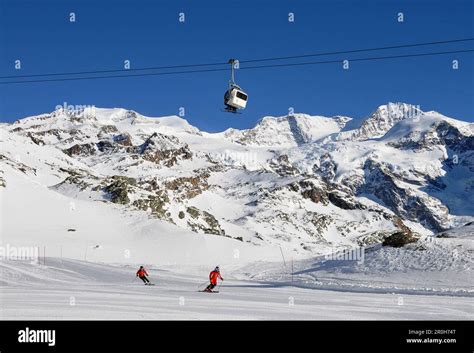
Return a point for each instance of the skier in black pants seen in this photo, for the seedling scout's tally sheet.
(141, 273)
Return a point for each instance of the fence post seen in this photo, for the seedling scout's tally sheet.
(292, 269)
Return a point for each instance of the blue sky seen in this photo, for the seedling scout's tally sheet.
(148, 33)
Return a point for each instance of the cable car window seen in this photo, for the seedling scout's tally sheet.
(241, 96)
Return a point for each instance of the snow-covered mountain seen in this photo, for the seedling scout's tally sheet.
(381, 121)
(308, 184)
(287, 131)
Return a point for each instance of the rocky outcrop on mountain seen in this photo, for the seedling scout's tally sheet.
(321, 222)
(36, 140)
(282, 166)
(398, 239)
(405, 202)
(18, 165)
(344, 201)
(327, 168)
(156, 205)
(312, 189)
(439, 133)
(118, 189)
(123, 139)
(203, 222)
(166, 150)
(188, 187)
(318, 191)
(78, 180)
(106, 130)
(107, 147)
(86, 149)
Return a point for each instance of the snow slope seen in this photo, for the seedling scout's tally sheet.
(34, 215)
(443, 267)
(69, 289)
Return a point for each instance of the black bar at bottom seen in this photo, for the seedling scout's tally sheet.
(237, 336)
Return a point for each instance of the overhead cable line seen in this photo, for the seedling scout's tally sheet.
(115, 70)
(242, 61)
(359, 59)
(359, 50)
(242, 68)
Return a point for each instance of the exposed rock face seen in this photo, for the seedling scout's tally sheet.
(310, 189)
(320, 221)
(35, 139)
(283, 167)
(399, 239)
(123, 139)
(108, 129)
(327, 168)
(189, 187)
(155, 204)
(82, 150)
(118, 189)
(202, 221)
(416, 207)
(344, 201)
(161, 149)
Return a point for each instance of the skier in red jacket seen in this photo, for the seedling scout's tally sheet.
(141, 273)
(213, 276)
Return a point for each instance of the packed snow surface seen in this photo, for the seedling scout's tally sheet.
(65, 289)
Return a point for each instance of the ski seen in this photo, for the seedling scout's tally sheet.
(206, 291)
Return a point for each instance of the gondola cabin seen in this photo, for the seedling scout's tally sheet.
(235, 98)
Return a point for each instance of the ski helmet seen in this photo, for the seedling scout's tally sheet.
(217, 269)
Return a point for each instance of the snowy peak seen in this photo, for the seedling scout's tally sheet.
(298, 129)
(98, 117)
(66, 127)
(160, 142)
(386, 116)
(131, 120)
(381, 121)
(166, 124)
(429, 131)
(288, 131)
